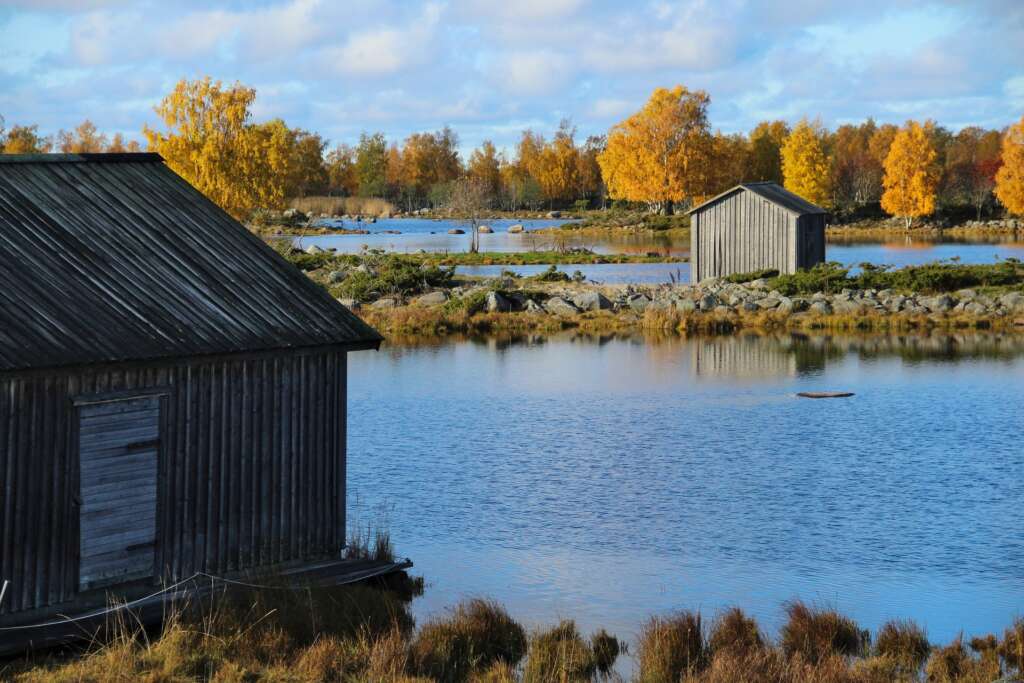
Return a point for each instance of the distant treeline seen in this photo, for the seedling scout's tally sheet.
(664, 156)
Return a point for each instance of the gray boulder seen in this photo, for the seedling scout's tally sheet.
(554, 214)
(591, 301)
(386, 302)
(760, 283)
(1012, 301)
(975, 308)
(708, 303)
(515, 228)
(768, 302)
(497, 303)
(532, 306)
(821, 308)
(938, 304)
(313, 249)
(638, 302)
(336, 276)
(432, 299)
(456, 231)
(688, 305)
(485, 230)
(556, 305)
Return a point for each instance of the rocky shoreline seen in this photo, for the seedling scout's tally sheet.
(714, 305)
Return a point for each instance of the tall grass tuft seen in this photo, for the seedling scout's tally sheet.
(1012, 647)
(905, 643)
(477, 635)
(815, 634)
(671, 647)
(559, 654)
(734, 633)
(606, 649)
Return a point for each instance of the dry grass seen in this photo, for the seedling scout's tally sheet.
(670, 648)
(817, 634)
(359, 634)
(341, 206)
(441, 321)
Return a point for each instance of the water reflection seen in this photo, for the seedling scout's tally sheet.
(610, 477)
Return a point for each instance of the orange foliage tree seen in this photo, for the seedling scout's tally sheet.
(1010, 178)
(659, 154)
(805, 167)
(911, 174)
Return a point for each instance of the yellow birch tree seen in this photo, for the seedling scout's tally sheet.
(204, 143)
(1010, 177)
(658, 155)
(911, 175)
(805, 167)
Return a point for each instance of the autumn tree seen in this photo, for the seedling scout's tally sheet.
(556, 168)
(911, 175)
(1010, 178)
(805, 167)
(591, 184)
(82, 140)
(856, 173)
(341, 171)
(658, 155)
(118, 145)
(727, 163)
(24, 140)
(485, 167)
(371, 165)
(206, 124)
(765, 161)
(430, 159)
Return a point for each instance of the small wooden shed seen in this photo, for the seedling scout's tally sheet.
(755, 226)
(172, 391)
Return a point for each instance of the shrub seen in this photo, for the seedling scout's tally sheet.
(904, 642)
(938, 276)
(391, 274)
(552, 274)
(559, 654)
(670, 647)
(824, 277)
(815, 633)
(735, 633)
(477, 635)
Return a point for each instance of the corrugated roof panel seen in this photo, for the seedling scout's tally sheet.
(118, 258)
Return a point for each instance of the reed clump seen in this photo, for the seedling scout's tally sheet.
(365, 633)
(341, 206)
(815, 634)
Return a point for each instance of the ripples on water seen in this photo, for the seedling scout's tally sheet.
(610, 479)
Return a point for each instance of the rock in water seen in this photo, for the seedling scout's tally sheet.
(825, 394)
(515, 228)
(456, 231)
(485, 230)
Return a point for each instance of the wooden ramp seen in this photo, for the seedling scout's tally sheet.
(150, 609)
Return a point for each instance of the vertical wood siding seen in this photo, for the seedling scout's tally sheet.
(251, 468)
(744, 232)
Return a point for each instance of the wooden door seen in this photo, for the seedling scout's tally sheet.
(119, 446)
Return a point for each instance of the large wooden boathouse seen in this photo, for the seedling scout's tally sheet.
(172, 391)
(755, 226)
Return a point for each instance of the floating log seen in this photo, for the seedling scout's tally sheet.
(825, 394)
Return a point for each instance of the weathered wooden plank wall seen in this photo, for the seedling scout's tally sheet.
(741, 233)
(251, 466)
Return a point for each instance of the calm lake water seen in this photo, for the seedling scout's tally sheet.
(609, 479)
(429, 235)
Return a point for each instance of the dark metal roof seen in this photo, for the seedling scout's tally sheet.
(774, 193)
(115, 257)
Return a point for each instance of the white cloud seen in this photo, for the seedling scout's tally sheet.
(520, 10)
(536, 72)
(386, 50)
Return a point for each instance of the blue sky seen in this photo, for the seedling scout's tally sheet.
(491, 69)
